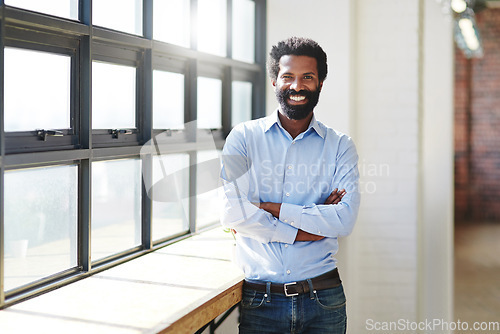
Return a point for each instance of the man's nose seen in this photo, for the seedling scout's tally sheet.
(296, 85)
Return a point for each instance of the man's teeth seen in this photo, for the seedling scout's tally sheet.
(297, 98)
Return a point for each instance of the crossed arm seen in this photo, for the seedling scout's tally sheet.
(268, 222)
(274, 209)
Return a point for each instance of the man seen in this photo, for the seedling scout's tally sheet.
(290, 190)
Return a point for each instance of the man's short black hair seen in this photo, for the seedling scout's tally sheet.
(297, 46)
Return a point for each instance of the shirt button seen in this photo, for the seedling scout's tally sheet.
(287, 194)
(293, 142)
(292, 223)
(286, 246)
(286, 220)
(290, 167)
(288, 272)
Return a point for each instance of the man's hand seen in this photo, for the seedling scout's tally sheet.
(336, 196)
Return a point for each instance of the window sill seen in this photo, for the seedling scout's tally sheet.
(175, 289)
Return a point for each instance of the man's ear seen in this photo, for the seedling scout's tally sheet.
(273, 82)
(320, 86)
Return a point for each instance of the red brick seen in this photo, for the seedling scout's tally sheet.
(477, 109)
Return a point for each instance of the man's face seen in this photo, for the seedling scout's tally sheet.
(297, 86)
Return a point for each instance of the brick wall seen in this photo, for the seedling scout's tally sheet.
(477, 126)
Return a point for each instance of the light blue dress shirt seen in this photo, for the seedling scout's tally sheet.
(300, 173)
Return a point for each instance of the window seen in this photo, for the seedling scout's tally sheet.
(114, 114)
(168, 100)
(208, 202)
(122, 15)
(63, 8)
(116, 207)
(170, 195)
(40, 230)
(29, 103)
(171, 21)
(241, 109)
(209, 103)
(40, 106)
(243, 30)
(212, 19)
(113, 96)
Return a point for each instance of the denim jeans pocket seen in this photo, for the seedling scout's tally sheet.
(252, 299)
(331, 299)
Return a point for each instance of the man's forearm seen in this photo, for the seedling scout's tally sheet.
(306, 236)
(275, 208)
(272, 208)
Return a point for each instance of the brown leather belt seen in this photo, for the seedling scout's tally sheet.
(328, 280)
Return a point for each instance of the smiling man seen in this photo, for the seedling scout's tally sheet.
(298, 194)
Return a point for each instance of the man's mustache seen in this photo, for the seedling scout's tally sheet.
(302, 92)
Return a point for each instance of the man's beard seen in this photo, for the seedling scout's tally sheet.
(297, 112)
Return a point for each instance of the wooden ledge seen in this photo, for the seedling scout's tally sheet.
(207, 312)
(176, 289)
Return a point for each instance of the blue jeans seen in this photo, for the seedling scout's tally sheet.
(320, 312)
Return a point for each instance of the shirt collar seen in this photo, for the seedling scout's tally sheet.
(315, 125)
(271, 120)
(274, 119)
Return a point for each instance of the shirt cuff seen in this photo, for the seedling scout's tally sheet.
(290, 214)
(284, 233)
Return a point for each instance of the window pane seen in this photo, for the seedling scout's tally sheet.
(63, 8)
(209, 103)
(40, 223)
(241, 104)
(168, 100)
(208, 202)
(212, 26)
(122, 15)
(116, 206)
(244, 30)
(171, 21)
(37, 90)
(113, 96)
(170, 195)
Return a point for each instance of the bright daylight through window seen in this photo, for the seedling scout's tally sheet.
(109, 109)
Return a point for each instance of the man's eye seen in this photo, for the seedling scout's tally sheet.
(308, 77)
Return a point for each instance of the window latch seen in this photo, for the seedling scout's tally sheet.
(116, 132)
(43, 134)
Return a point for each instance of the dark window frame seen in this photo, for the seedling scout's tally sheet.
(85, 43)
(26, 141)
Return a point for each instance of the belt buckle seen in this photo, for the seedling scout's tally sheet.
(285, 288)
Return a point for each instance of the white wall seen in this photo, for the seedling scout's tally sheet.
(387, 94)
(390, 88)
(327, 22)
(436, 168)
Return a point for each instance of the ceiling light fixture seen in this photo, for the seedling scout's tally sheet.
(458, 6)
(467, 34)
(467, 29)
